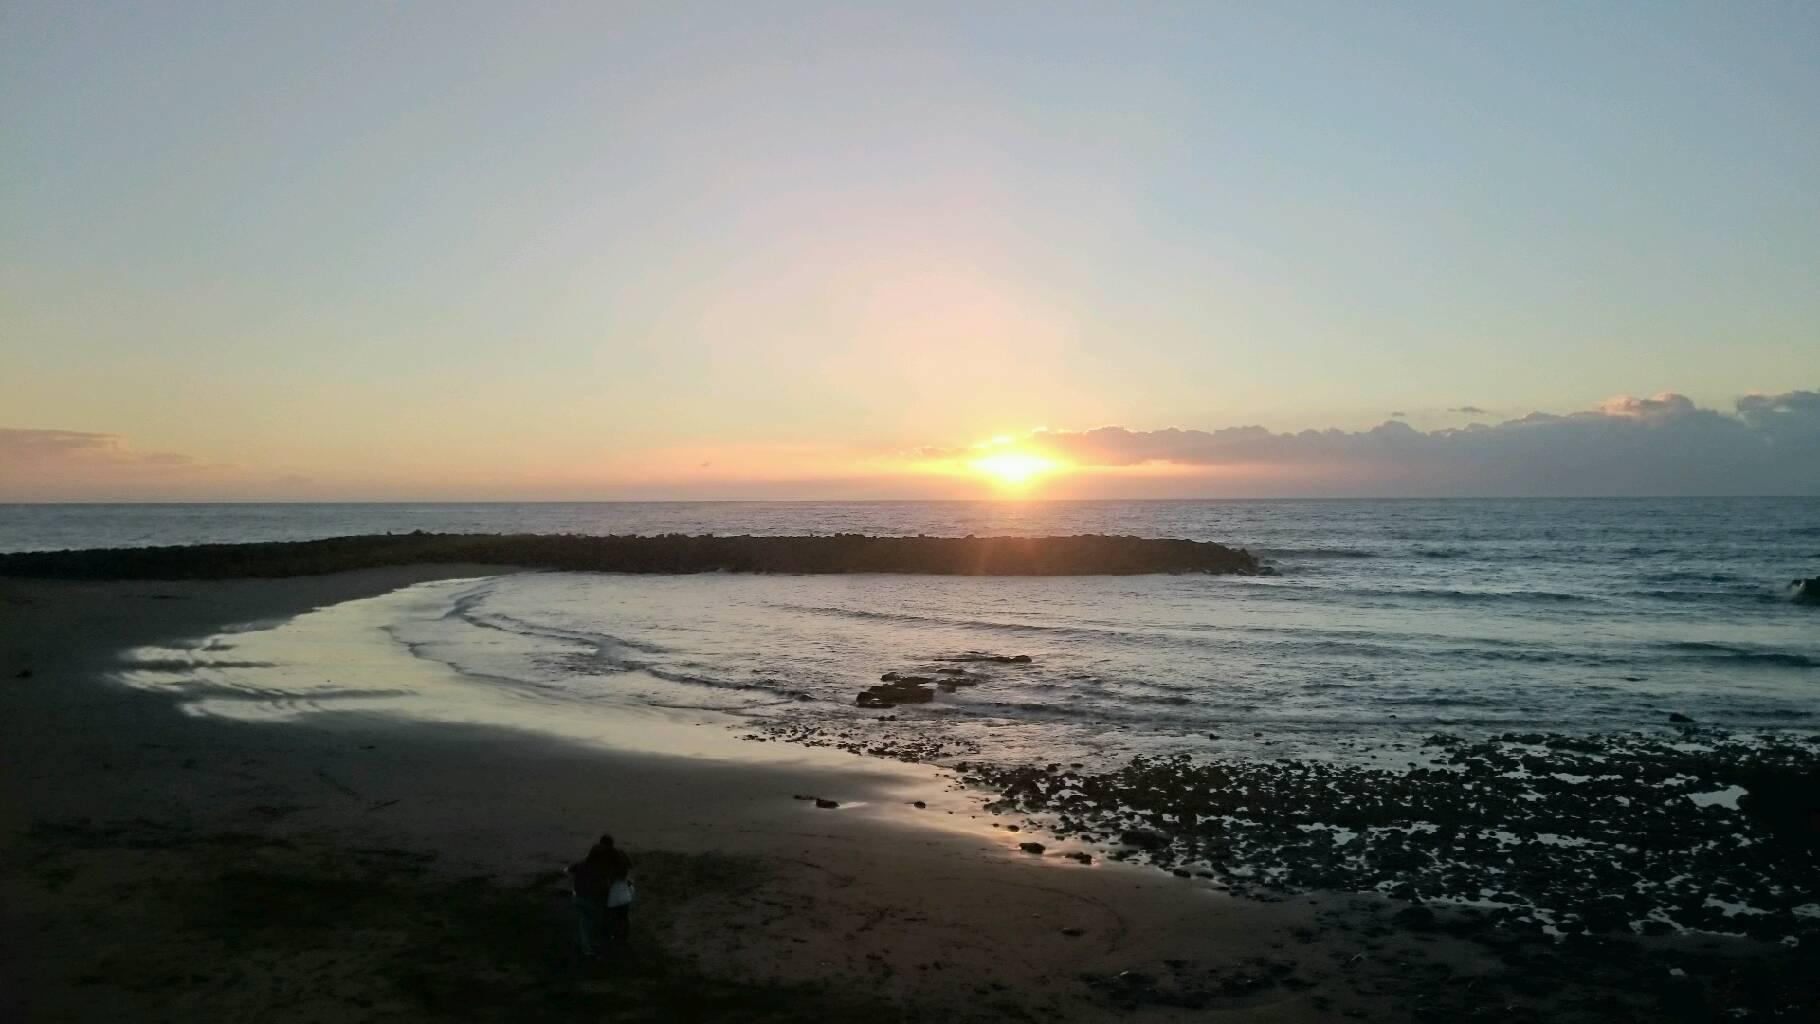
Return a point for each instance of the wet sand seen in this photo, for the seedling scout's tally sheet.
(160, 865)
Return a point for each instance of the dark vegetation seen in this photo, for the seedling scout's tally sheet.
(1086, 555)
(255, 927)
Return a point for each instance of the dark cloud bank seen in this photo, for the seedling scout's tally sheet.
(1768, 444)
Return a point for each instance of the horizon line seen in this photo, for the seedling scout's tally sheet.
(911, 501)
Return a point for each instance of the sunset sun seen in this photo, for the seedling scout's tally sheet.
(1013, 469)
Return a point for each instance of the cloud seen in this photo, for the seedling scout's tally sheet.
(1665, 445)
(1470, 410)
(1661, 407)
(41, 449)
(40, 465)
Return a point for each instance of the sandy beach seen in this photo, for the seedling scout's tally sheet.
(162, 865)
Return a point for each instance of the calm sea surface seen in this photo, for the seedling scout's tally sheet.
(1390, 619)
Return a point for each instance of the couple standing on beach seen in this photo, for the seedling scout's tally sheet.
(602, 884)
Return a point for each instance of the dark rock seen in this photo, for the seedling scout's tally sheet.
(24, 673)
(1785, 801)
(1144, 838)
(918, 804)
(904, 690)
(1031, 847)
(1084, 858)
(1073, 933)
(1680, 719)
(1805, 591)
(826, 804)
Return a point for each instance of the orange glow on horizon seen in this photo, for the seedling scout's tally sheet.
(1014, 469)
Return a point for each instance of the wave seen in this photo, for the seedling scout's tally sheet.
(1704, 596)
(1730, 654)
(1686, 576)
(1316, 553)
(1432, 594)
(1026, 628)
(467, 609)
(188, 665)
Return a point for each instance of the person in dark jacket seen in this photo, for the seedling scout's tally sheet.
(602, 885)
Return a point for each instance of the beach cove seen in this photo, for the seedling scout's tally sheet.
(875, 906)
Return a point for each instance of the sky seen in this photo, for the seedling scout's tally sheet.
(793, 250)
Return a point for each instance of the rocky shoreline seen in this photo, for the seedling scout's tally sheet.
(1546, 834)
(1681, 866)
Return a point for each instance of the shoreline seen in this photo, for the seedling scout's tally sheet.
(864, 900)
(846, 900)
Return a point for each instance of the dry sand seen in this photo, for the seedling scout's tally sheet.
(156, 865)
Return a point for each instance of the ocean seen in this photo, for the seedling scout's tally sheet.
(1391, 620)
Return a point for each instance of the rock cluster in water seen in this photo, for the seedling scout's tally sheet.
(896, 688)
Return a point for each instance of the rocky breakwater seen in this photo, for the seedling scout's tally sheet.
(1084, 555)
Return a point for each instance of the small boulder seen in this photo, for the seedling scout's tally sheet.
(1679, 719)
(1036, 848)
(826, 805)
(1785, 801)
(903, 690)
(1144, 838)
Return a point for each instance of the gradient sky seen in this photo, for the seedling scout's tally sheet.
(801, 250)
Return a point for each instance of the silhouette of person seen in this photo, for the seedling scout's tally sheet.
(602, 886)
